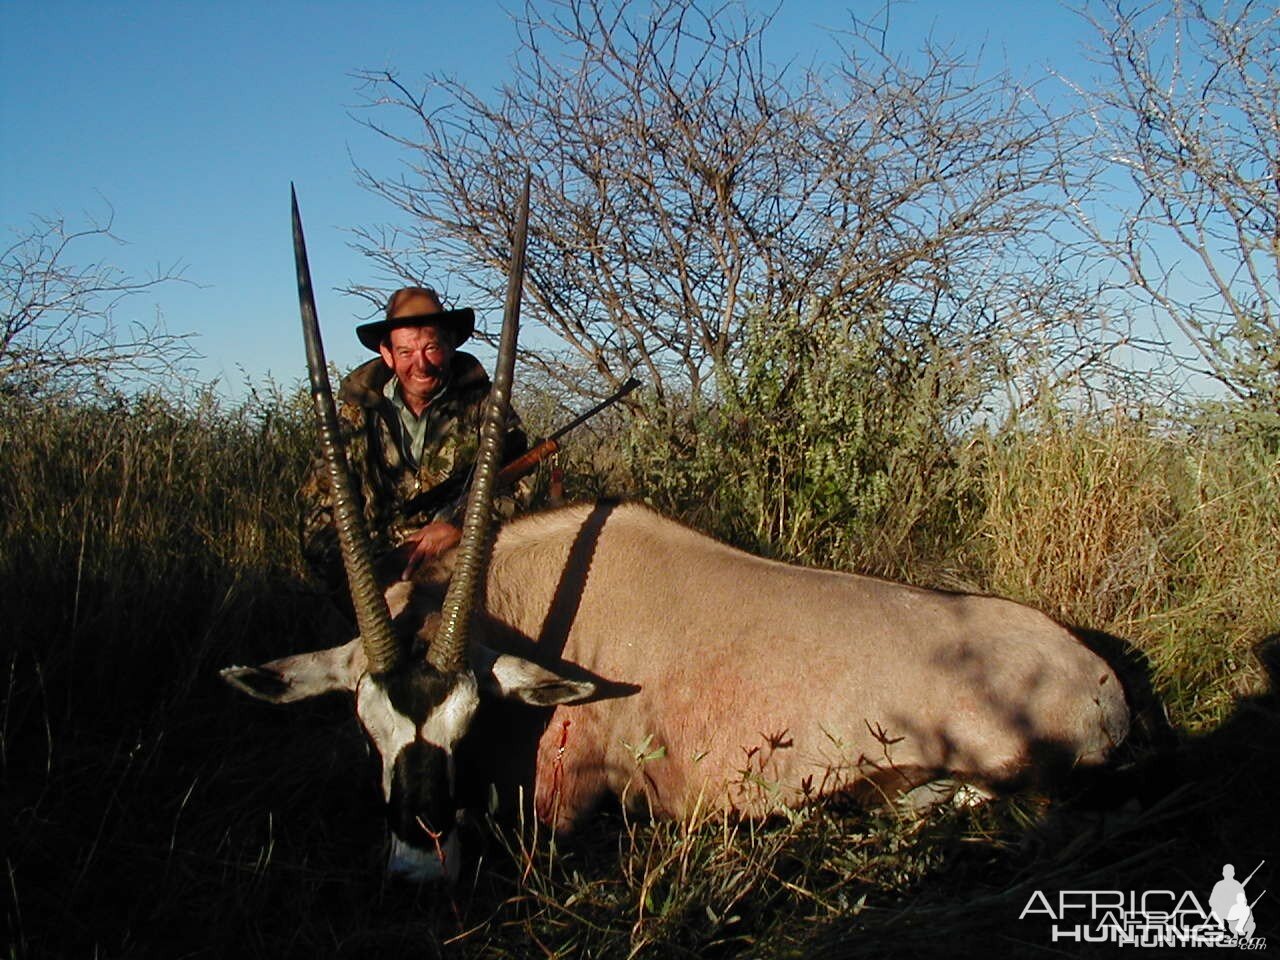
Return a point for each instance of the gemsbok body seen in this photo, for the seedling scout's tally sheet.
(686, 674)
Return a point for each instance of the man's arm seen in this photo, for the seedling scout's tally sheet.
(440, 534)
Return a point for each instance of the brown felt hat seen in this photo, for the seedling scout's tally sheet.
(417, 307)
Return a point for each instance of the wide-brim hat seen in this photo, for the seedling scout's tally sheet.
(417, 307)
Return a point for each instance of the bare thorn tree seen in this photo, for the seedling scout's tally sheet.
(682, 183)
(1188, 117)
(58, 332)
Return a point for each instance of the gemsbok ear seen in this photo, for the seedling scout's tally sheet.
(303, 675)
(515, 678)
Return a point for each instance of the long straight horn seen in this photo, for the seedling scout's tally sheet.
(449, 648)
(373, 618)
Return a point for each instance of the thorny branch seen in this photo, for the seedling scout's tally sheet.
(682, 183)
(58, 333)
(1188, 118)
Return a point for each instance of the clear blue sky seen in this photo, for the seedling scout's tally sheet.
(191, 119)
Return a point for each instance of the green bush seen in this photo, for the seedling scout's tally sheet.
(831, 444)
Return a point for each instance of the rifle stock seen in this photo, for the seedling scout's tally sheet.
(526, 462)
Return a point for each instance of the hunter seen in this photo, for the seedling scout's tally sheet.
(410, 419)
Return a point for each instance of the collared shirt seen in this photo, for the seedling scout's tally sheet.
(414, 430)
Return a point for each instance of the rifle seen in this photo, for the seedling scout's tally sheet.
(1250, 876)
(528, 462)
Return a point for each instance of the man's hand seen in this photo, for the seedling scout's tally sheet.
(427, 544)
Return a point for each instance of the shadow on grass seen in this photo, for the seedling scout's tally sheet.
(1218, 797)
(152, 813)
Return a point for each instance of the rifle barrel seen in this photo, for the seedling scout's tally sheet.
(1250, 876)
(578, 421)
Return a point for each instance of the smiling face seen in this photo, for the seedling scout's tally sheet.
(420, 358)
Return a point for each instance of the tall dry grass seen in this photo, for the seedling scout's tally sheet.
(1167, 537)
(131, 524)
(151, 813)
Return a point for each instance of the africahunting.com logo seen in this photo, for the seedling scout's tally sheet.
(1153, 918)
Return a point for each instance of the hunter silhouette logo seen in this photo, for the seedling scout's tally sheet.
(1230, 903)
(1154, 918)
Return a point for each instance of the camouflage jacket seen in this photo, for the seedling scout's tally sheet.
(397, 498)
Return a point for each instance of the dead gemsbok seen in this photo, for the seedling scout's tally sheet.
(745, 682)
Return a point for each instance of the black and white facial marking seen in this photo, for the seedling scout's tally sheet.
(415, 717)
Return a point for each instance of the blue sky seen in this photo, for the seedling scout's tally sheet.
(189, 120)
